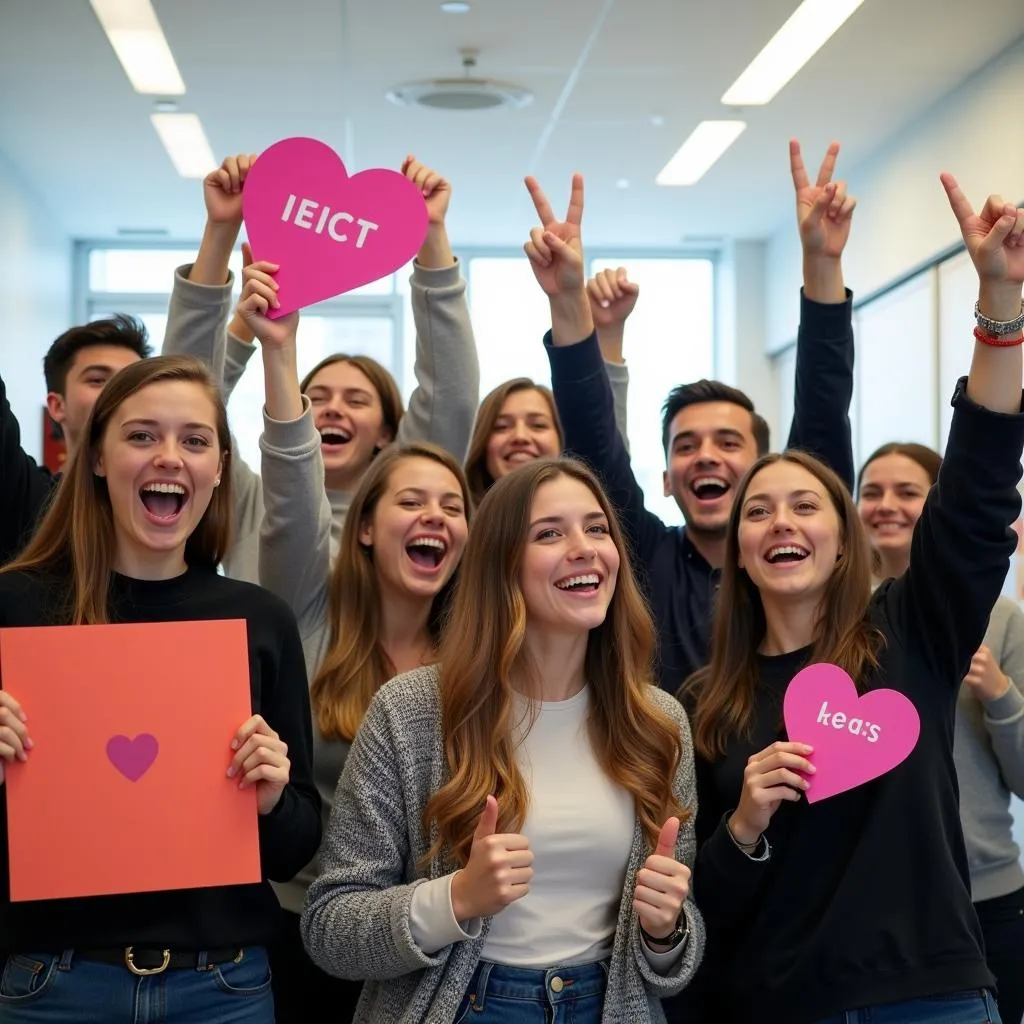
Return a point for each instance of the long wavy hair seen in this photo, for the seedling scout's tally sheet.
(483, 650)
(356, 664)
(722, 695)
(477, 473)
(77, 538)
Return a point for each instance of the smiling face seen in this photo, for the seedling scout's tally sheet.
(523, 431)
(418, 528)
(161, 461)
(892, 494)
(348, 414)
(790, 534)
(570, 562)
(711, 446)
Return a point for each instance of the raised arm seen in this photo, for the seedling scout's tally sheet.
(962, 544)
(295, 537)
(612, 298)
(447, 368)
(579, 380)
(824, 354)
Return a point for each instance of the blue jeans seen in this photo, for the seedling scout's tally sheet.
(40, 988)
(513, 995)
(974, 1007)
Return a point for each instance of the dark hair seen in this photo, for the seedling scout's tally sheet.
(927, 458)
(700, 391)
(122, 330)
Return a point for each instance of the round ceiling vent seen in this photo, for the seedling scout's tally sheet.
(460, 94)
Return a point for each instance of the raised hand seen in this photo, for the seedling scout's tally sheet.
(994, 237)
(497, 873)
(222, 189)
(985, 679)
(15, 742)
(612, 297)
(436, 190)
(259, 296)
(771, 776)
(261, 760)
(662, 885)
(823, 210)
(555, 248)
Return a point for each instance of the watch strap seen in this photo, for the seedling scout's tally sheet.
(998, 328)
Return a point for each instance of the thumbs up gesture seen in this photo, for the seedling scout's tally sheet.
(662, 885)
(498, 871)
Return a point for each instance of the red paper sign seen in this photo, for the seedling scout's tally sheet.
(126, 787)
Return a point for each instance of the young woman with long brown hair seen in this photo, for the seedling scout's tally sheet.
(135, 534)
(374, 614)
(858, 907)
(538, 735)
(989, 738)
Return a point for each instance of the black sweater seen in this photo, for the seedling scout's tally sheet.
(25, 486)
(189, 919)
(865, 898)
(680, 584)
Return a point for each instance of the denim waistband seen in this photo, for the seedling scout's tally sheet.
(553, 984)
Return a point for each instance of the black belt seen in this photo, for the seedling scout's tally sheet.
(156, 961)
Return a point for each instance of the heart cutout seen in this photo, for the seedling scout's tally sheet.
(133, 758)
(329, 233)
(856, 737)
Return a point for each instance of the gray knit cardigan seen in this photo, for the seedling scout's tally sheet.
(356, 920)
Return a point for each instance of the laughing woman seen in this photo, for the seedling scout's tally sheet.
(538, 735)
(375, 614)
(858, 907)
(135, 534)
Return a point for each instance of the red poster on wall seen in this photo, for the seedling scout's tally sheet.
(55, 452)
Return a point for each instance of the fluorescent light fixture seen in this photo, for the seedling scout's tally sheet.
(809, 27)
(186, 144)
(137, 39)
(696, 156)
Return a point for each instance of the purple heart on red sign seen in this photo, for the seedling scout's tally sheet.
(856, 737)
(133, 758)
(328, 232)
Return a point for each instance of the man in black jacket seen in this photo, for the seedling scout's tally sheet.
(76, 367)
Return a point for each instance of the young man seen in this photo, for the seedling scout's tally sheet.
(76, 367)
(711, 433)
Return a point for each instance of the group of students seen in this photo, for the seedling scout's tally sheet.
(517, 745)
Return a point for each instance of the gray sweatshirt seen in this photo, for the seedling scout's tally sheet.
(357, 922)
(989, 754)
(441, 409)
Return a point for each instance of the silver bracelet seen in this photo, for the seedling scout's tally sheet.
(998, 328)
(748, 849)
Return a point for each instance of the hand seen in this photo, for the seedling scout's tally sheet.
(222, 189)
(994, 238)
(823, 210)
(259, 294)
(555, 248)
(769, 778)
(662, 885)
(985, 678)
(261, 759)
(436, 190)
(612, 297)
(14, 739)
(498, 871)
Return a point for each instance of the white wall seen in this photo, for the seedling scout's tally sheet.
(903, 218)
(35, 297)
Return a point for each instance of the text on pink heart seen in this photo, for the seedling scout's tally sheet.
(856, 726)
(305, 211)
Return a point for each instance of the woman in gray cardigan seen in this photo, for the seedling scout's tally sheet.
(989, 740)
(512, 832)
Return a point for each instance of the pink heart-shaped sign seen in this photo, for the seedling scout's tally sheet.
(328, 232)
(133, 758)
(856, 737)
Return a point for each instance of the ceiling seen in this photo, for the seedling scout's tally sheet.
(602, 71)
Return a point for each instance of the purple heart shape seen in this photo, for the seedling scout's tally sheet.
(133, 758)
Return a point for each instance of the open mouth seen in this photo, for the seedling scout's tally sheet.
(163, 501)
(334, 437)
(783, 553)
(709, 488)
(426, 552)
(888, 526)
(518, 457)
(584, 583)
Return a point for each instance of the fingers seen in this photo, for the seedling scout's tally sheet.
(260, 291)
(782, 777)
(270, 766)
(1015, 239)
(663, 874)
(607, 286)
(247, 260)
(8, 703)
(488, 823)
(537, 249)
(562, 249)
(540, 202)
(424, 178)
(666, 845)
(958, 202)
(14, 741)
(575, 213)
(781, 747)
(828, 165)
(255, 724)
(821, 204)
(796, 166)
(255, 751)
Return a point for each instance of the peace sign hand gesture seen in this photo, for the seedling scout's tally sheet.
(823, 210)
(555, 248)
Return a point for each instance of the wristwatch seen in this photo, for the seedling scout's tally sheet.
(998, 328)
(674, 939)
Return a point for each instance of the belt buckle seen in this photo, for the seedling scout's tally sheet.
(143, 972)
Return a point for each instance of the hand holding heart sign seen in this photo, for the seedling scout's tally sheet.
(14, 739)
